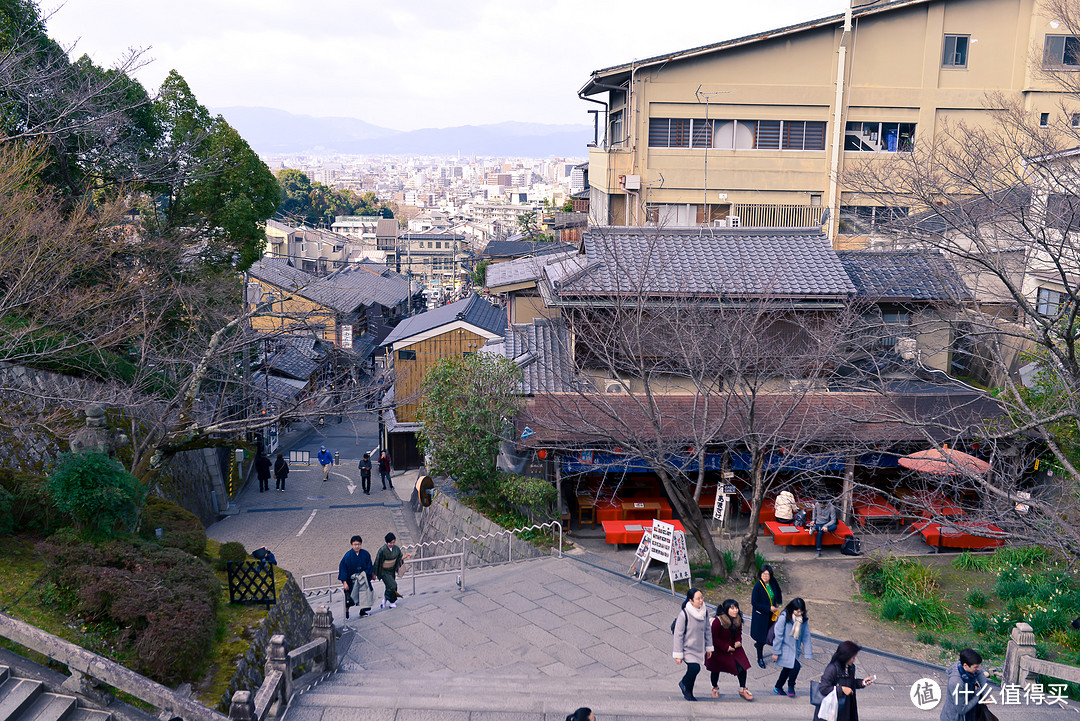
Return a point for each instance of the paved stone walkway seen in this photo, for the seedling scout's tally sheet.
(536, 639)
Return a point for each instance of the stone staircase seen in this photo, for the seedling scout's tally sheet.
(23, 699)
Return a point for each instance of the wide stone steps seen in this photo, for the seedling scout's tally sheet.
(23, 699)
(382, 694)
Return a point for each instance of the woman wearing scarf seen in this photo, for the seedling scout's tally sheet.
(791, 633)
(692, 640)
(728, 654)
(765, 602)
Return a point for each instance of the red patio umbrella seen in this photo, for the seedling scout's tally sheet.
(947, 462)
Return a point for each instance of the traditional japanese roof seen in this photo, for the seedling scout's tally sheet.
(281, 273)
(858, 419)
(360, 284)
(473, 310)
(717, 263)
(542, 351)
(909, 275)
(522, 248)
(522, 270)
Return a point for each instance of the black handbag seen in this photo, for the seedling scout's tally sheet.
(852, 546)
(815, 694)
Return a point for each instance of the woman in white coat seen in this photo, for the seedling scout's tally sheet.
(692, 640)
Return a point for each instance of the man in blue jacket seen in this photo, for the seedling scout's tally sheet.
(326, 458)
(356, 561)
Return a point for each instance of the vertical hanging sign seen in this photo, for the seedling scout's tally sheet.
(679, 566)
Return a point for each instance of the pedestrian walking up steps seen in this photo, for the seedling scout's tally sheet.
(23, 699)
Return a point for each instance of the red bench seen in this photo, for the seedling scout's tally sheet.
(957, 537)
(630, 531)
(869, 506)
(800, 537)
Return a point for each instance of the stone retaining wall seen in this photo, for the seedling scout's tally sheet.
(447, 518)
(291, 616)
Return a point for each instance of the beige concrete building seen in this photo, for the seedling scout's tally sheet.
(753, 131)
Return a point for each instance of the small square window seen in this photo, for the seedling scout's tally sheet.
(955, 51)
(1044, 120)
(406, 355)
(1074, 120)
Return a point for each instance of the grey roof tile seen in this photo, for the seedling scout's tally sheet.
(521, 248)
(903, 275)
(473, 310)
(718, 262)
(542, 350)
(344, 290)
(521, 270)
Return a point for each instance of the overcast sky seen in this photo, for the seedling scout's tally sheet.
(406, 64)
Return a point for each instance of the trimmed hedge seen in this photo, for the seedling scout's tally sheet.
(180, 528)
(161, 601)
(29, 507)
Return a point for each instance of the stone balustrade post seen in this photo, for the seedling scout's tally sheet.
(242, 707)
(277, 659)
(1021, 644)
(322, 626)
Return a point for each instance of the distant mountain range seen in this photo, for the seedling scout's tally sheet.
(271, 131)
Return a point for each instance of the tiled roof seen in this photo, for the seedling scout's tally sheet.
(903, 275)
(278, 272)
(542, 350)
(834, 419)
(521, 270)
(344, 290)
(473, 310)
(716, 262)
(292, 362)
(521, 248)
(282, 389)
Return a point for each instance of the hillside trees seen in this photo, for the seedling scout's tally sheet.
(315, 204)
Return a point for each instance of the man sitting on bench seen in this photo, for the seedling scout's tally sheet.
(824, 521)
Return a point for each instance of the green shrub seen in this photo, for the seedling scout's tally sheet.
(979, 621)
(96, 491)
(870, 576)
(31, 507)
(976, 598)
(180, 528)
(1020, 556)
(968, 561)
(926, 610)
(893, 607)
(7, 518)
(536, 496)
(161, 601)
(925, 637)
(729, 560)
(1011, 585)
(759, 561)
(232, 551)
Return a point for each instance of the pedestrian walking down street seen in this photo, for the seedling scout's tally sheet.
(326, 459)
(964, 688)
(384, 469)
(582, 714)
(824, 521)
(791, 634)
(355, 572)
(728, 655)
(365, 474)
(840, 674)
(692, 640)
(388, 561)
(281, 472)
(766, 600)
(262, 470)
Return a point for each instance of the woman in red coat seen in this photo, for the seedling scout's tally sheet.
(728, 654)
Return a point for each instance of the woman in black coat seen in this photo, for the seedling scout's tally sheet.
(840, 674)
(766, 602)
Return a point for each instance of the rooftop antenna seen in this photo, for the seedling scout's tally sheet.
(703, 96)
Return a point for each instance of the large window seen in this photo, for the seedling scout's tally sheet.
(616, 134)
(737, 134)
(879, 137)
(1061, 51)
(955, 51)
(1049, 301)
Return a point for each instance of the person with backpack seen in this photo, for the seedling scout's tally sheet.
(791, 634)
(281, 472)
(728, 654)
(766, 600)
(692, 640)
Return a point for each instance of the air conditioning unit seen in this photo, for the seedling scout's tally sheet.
(907, 348)
(614, 387)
